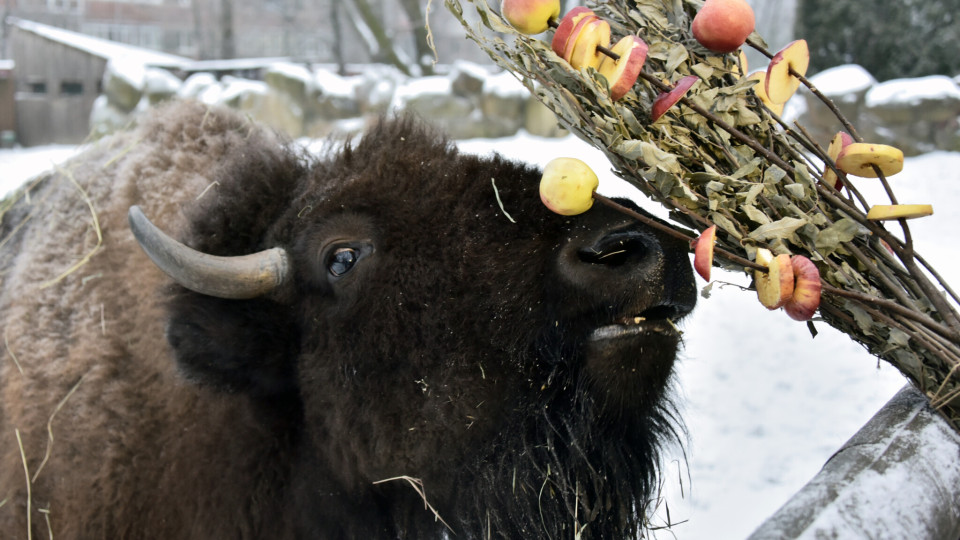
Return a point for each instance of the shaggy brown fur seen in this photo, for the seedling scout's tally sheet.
(455, 352)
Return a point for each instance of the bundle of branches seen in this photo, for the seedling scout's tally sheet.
(720, 156)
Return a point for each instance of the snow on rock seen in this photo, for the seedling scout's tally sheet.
(843, 80)
(913, 92)
(196, 84)
(160, 85)
(123, 82)
(328, 83)
(505, 84)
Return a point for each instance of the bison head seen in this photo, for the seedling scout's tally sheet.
(390, 321)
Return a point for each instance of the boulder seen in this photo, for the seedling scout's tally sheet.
(107, 118)
(540, 121)
(123, 83)
(916, 115)
(468, 78)
(847, 87)
(503, 105)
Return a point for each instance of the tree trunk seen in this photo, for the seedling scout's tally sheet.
(422, 49)
(375, 26)
(228, 47)
(337, 38)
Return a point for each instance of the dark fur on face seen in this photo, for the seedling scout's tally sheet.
(424, 336)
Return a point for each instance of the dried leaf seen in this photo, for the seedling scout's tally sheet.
(782, 228)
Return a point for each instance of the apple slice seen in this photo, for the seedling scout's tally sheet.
(565, 28)
(761, 91)
(585, 53)
(781, 84)
(667, 99)
(530, 16)
(621, 74)
(723, 25)
(806, 289)
(840, 141)
(567, 186)
(859, 159)
(882, 212)
(703, 251)
(775, 286)
(575, 34)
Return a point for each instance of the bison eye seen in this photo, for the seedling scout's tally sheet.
(342, 260)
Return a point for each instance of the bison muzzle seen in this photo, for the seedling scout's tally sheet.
(357, 345)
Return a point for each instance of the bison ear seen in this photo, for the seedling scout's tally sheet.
(246, 346)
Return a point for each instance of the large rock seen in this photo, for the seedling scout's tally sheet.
(123, 82)
(107, 118)
(160, 85)
(432, 99)
(468, 78)
(333, 97)
(294, 80)
(915, 115)
(503, 104)
(541, 121)
(847, 87)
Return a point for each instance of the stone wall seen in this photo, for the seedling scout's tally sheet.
(468, 101)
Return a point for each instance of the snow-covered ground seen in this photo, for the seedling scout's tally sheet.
(765, 403)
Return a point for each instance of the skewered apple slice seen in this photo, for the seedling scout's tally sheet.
(530, 16)
(899, 211)
(806, 289)
(761, 91)
(859, 159)
(575, 34)
(621, 74)
(781, 84)
(565, 28)
(840, 141)
(703, 251)
(585, 54)
(567, 186)
(665, 100)
(775, 286)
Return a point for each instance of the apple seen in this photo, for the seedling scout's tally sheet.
(565, 28)
(530, 16)
(775, 286)
(575, 34)
(585, 53)
(703, 251)
(806, 289)
(881, 212)
(859, 159)
(723, 25)
(760, 90)
(840, 141)
(666, 99)
(781, 84)
(567, 186)
(621, 74)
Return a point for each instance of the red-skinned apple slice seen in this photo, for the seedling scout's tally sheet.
(703, 251)
(575, 34)
(565, 28)
(806, 289)
(723, 25)
(840, 141)
(859, 159)
(781, 84)
(667, 99)
(530, 16)
(760, 90)
(775, 286)
(882, 212)
(593, 35)
(622, 74)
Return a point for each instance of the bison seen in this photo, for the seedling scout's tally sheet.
(358, 344)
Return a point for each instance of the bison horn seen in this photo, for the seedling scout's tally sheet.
(238, 277)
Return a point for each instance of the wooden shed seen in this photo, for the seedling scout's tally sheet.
(59, 75)
(8, 117)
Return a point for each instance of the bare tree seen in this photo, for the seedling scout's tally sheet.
(228, 47)
(418, 22)
(378, 42)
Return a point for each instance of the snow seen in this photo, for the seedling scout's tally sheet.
(423, 86)
(843, 80)
(504, 84)
(911, 92)
(331, 84)
(130, 70)
(765, 404)
(161, 81)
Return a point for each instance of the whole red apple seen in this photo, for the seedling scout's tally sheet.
(723, 25)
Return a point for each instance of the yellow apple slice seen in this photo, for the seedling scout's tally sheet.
(859, 159)
(703, 251)
(621, 74)
(840, 141)
(882, 212)
(781, 84)
(565, 28)
(806, 289)
(761, 91)
(530, 16)
(585, 53)
(665, 100)
(575, 34)
(567, 186)
(775, 286)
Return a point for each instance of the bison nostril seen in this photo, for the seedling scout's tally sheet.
(616, 249)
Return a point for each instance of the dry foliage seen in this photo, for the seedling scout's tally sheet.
(720, 157)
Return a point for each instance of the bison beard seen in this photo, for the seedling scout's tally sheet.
(519, 370)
